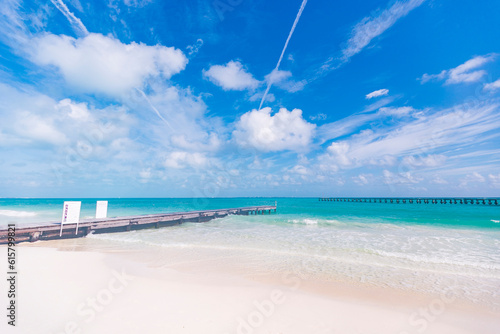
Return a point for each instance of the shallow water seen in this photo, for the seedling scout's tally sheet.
(419, 247)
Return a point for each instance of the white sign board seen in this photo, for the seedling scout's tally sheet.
(101, 209)
(71, 214)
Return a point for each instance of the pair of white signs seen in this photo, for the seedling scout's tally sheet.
(71, 213)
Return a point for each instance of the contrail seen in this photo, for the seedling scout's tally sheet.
(76, 23)
(154, 108)
(302, 6)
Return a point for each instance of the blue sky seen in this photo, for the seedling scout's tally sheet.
(161, 98)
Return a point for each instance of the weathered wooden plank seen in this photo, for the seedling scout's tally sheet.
(50, 231)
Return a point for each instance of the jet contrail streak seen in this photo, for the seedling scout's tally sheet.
(302, 6)
(154, 108)
(75, 22)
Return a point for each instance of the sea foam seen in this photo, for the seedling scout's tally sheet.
(14, 213)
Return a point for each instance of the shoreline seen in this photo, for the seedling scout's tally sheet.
(58, 277)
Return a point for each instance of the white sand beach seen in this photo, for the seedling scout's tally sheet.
(64, 288)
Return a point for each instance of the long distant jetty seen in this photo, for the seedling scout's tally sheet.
(405, 200)
(50, 231)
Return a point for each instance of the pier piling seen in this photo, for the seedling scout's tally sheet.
(408, 200)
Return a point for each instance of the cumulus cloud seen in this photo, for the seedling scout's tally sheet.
(339, 151)
(467, 72)
(35, 120)
(285, 130)
(102, 64)
(231, 76)
(377, 93)
(493, 85)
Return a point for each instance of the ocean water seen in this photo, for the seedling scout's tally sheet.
(427, 248)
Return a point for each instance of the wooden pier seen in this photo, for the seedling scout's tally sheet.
(409, 200)
(50, 231)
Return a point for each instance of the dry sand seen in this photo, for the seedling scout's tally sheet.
(62, 291)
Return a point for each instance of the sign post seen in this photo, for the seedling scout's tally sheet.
(101, 209)
(71, 214)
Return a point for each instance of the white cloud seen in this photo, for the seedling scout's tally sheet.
(366, 30)
(379, 104)
(362, 179)
(145, 174)
(285, 130)
(231, 76)
(495, 180)
(26, 119)
(185, 114)
(400, 178)
(423, 137)
(102, 64)
(181, 159)
(299, 169)
(31, 126)
(475, 177)
(258, 96)
(431, 160)
(193, 49)
(282, 79)
(429, 77)
(493, 85)
(377, 93)
(78, 111)
(76, 4)
(212, 143)
(370, 27)
(439, 180)
(319, 117)
(137, 3)
(401, 111)
(339, 150)
(466, 73)
(33, 120)
(12, 24)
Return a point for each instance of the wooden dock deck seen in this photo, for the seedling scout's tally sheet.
(50, 231)
(412, 200)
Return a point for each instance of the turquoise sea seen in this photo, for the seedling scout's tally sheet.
(426, 248)
(471, 216)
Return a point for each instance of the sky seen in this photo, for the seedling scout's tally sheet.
(224, 98)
